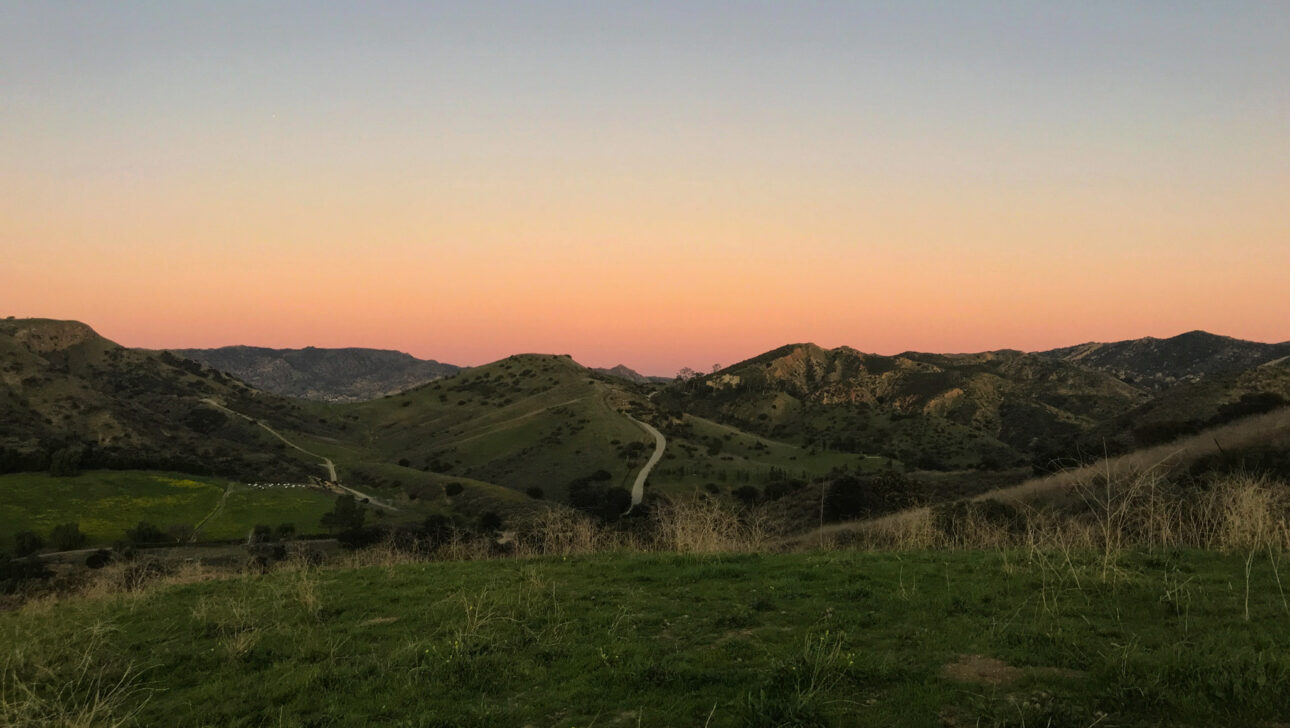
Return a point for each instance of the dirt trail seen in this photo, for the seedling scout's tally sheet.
(214, 512)
(660, 443)
(332, 479)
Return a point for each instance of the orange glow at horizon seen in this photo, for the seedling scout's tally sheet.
(659, 185)
(689, 288)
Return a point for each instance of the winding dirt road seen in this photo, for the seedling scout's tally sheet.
(660, 443)
(326, 461)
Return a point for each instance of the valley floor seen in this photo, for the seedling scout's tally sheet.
(817, 639)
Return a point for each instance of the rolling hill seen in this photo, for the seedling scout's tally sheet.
(1191, 407)
(1157, 364)
(528, 421)
(533, 429)
(622, 371)
(326, 375)
(932, 411)
(72, 399)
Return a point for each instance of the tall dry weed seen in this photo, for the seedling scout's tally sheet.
(707, 525)
(79, 686)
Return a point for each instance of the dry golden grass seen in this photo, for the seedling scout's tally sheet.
(1100, 513)
(96, 692)
(707, 525)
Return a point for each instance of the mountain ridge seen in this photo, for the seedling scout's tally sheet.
(1156, 363)
(346, 374)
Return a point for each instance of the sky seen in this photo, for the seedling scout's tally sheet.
(661, 184)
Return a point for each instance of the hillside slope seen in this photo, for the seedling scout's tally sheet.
(72, 396)
(1160, 363)
(327, 375)
(1188, 408)
(622, 371)
(526, 422)
(992, 409)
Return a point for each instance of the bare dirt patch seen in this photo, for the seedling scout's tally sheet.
(984, 670)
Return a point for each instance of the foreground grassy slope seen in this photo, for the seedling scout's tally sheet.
(912, 639)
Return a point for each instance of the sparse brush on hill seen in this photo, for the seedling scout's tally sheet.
(1105, 515)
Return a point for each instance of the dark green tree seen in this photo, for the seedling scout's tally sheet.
(65, 461)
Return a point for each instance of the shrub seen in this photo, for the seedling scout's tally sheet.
(453, 489)
(99, 559)
(285, 531)
(747, 495)
(26, 543)
(65, 461)
(437, 530)
(535, 493)
(490, 521)
(779, 488)
(13, 572)
(144, 532)
(597, 499)
(68, 537)
(346, 515)
(850, 497)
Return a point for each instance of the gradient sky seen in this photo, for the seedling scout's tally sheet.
(662, 184)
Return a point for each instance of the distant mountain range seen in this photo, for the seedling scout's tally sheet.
(328, 375)
(358, 374)
(531, 427)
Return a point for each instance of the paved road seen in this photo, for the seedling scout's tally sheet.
(660, 443)
(326, 461)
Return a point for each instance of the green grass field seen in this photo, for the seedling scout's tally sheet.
(829, 639)
(105, 502)
(108, 502)
(245, 508)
